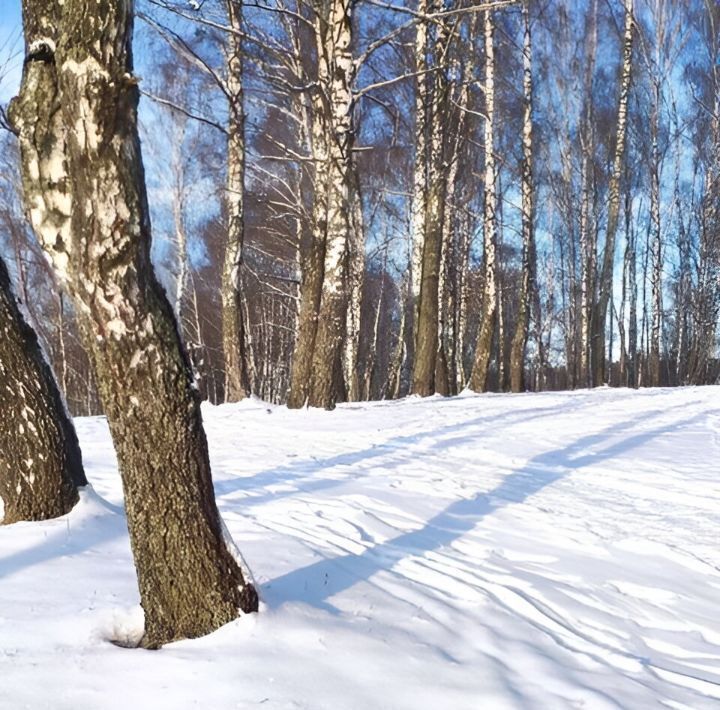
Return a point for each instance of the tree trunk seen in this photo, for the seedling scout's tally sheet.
(312, 260)
(41, 466)
(606, 276)
(656, 276)
(633, 320)
(391, 389)
(588, 235)
(356, 274)
(483, 349)
(85, 191)
(461, 308)
(311, 264)
(427, 321)
(519, 343)
(326, 379)
(418, 208)
(235, 350)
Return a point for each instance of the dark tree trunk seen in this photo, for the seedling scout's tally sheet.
(87, 200)
(40, 462)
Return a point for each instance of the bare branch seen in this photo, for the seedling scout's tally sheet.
(184, 111)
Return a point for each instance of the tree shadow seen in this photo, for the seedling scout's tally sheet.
(71, 534)
(303, 474)
(318, 582)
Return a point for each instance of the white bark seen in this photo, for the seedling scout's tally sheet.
(478, 381)
(606, 276)
(420, 178)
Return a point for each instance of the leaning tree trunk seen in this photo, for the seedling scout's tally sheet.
(483, 348)
(519, 343)
(85, 192)
(235, 351)
(40, 462)
(606, 276)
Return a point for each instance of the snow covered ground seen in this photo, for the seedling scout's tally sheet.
(482, 552)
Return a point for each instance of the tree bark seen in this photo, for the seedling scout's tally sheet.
(483, 349)
(40, 461)
(655, 227)
(356, 273)
(317, 374)
(312, 259)
(606, 275)
(427, 321)
(519, 343)
(588, 234)
(326, 377)
(85, 191)
(418, 208)
(235, 350)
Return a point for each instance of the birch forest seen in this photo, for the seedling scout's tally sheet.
(361, 200)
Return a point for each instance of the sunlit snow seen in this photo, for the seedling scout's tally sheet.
(554, 550)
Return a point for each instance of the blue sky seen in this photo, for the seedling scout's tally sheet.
(10, 45)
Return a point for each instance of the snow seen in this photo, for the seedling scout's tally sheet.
(553, 550)
(40, 45)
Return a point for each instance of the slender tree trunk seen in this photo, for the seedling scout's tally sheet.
(462, 305)
(326, 380)
(528, 286)
(683, 304)
(644, 330)
(392, 385)
(588, 241)
(235, 350)
(40, 462)
(418, 208)
(357, 276)
(373, 345)
(623, 364)
(312, 260)
(488, 326)
(656, 276)
(427, 323)
(85, 191)
(606, 274)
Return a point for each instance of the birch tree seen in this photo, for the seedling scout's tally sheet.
(528, 285)
(420, 166)
(488, 327)
(236, 352)
(84, 189)
(588, 233)
(317, 378)
(326, 372)
(605, 277)
(356, 272)
(427, 321)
